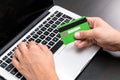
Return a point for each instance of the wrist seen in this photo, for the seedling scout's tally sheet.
(117, 40)
(52, 76)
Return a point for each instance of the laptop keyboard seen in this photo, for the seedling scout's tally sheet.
(47, 34)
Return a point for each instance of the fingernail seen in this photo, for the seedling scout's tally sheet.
(77, 35)
(75, 43)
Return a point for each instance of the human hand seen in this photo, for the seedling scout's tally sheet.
(34, 62)
(101, 34)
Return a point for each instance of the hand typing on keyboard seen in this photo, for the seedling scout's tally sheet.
(34, 61)
(46, 33)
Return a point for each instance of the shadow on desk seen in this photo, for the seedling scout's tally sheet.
(103, 67)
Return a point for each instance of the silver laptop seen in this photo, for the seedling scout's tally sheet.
(69, 61)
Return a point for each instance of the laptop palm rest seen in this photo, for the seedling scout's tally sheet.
(71, 61)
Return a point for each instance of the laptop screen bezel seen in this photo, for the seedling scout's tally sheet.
(24, 31)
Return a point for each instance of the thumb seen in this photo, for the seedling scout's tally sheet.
(83, 34)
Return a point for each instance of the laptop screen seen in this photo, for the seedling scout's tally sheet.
(15, 15)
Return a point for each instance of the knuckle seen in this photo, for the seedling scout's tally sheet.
(33, 47)
(21, 44)
(16, 50)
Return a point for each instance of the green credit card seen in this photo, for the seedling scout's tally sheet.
(68, 30)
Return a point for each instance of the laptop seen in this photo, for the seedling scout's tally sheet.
(69, 61)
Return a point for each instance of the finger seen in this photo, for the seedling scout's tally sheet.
(33, 45)
(44, 48)
(15, 62)
(82, 44)
(84, 35)
(18, 54)
(23, 47)
(95, 21)
(91, 21)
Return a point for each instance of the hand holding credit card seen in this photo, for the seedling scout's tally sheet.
(68, 30)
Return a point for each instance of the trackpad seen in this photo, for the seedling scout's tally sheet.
(71, 61)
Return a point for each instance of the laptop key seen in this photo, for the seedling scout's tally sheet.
(39, 32)
(42, 36)
(23, 78)
(47, 25)
(38, 40)
(51, 22)
(14, 49)
(52, 15)
(56, 12)
(55, 39)
(59, 14)
(25, 40)
(56, 46)
(4, 58)
(40, 26)
(14, 71)
(63, 23)
(50, 29)
(28, 37)
(11, 56)
(10, 53)
(54, 19)
(43, 29)
(32, 33)
(48, 18)
(54, 26)
(3, 65)
(52, 35)
(67, 20)
(48, 46)
(1, 61)
(51, 43)
(56, 31)
(61, 19)
(36, 29)
(35, 36)
(44, 22)
(65, 16)
(8, 60)
(10, 66)
(57, 22)
(48, 38)
(18, 75)
(46, 33)
(58, 35)
(44, 42)
(31, 39)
